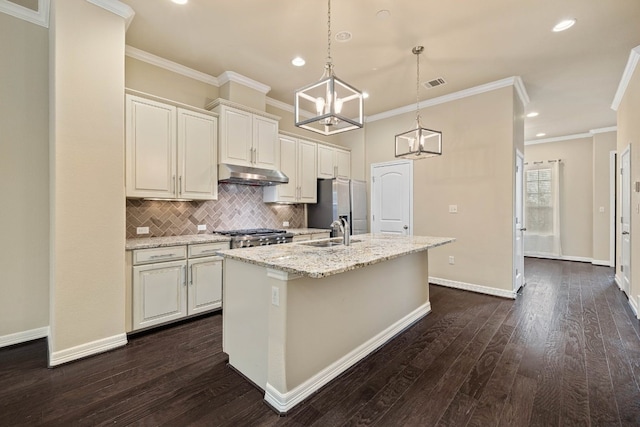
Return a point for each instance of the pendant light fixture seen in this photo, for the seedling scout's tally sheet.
(334, 105)
(418, 143)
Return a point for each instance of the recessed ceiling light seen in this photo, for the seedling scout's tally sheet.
(383, 14)
(540, 134)
(365, 95)
(564, 25)
(298, 62)
(180, 1)
(343, 36)
(533, 114)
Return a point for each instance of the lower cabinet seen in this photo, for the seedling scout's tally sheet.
(171, 283)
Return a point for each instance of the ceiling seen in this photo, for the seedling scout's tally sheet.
(571, 77)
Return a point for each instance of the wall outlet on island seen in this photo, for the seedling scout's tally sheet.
(202, 227)
(142, 230)
(285, 223)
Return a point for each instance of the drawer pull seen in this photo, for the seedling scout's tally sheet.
(206, 251)
(162, 256)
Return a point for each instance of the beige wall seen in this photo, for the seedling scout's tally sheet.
(576, 191)
(157, 81)
(24, 176)
(87, 176)
(629, 134)
(475, 172)
(603, 144)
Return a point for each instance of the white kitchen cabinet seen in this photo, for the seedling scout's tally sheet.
(171, 152)
(298, 162)
(169, 283)
(159, 293)
(247, 137)
(333, 162)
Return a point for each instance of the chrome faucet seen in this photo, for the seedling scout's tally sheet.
(343, 224)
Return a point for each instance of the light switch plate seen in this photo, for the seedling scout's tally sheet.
(601, 209)
(142, 230)
(453, 208)
(285, 223)
(202, 227)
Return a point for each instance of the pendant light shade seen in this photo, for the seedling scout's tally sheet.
(418, 143)
(330, 105)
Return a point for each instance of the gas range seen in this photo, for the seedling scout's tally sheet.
(256, 237)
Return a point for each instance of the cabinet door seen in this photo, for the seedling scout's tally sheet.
(307, 164)
(235, 136)
(288, 165)
(150, 148)
(205, 285)
(265, 143)
(343, 164)
(326, 162)
(197, 156)
(159, 293)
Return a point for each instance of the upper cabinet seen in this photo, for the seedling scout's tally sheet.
(298, 162)
(247, 137)
(333, 162)
(171, 151)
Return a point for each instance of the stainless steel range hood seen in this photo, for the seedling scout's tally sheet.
(234, 174)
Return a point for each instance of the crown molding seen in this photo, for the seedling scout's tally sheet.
(488, 87)
(280, 105)
(559, 138)
(39, 17)
(117, 7)
(152, 59)
(603, 130)
(632, 62)
(232, 76)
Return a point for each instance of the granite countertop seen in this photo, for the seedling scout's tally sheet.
(302, 231)
(318, 262)
(157, 242)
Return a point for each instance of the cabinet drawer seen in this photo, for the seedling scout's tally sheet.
(148, 256)
(206, 249)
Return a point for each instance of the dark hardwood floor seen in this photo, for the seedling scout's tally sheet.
(566, 352)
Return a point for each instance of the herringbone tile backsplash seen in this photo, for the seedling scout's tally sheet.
(238, 206)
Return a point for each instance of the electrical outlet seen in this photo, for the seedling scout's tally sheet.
(142, 230)
(601, 209)
(202, 227)
(452, 259)
(275, 296)
(285, 223)
(453, 208)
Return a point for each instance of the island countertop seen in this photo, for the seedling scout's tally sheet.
(318, 262)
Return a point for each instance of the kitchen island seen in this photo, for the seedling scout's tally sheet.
(298, 315)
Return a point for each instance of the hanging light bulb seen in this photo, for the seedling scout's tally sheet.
(418, 143)
(338, 106)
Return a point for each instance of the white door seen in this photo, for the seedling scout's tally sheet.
(519, 225)
(266, 145)
(159, 293)
(235, 137)
(326, 166)
(392, 198)
(625, 196)
(205, 285)
(197, 155)
(150, 148)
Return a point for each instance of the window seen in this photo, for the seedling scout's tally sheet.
(539, 201)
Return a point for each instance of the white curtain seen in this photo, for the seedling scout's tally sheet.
(542, 210)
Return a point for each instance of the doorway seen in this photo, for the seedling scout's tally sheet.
(392, 197)
(625, 220)
(519, 228)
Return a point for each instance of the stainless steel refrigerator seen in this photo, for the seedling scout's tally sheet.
(340, 198)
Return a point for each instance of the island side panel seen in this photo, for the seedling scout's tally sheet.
(327, 319)
(245, 319)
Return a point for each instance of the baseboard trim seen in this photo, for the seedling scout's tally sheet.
(562, 258)
(602, 262)
(24, 336)
(84, 350)
(633, 305)
(618, 282)
(473, 287)
(283, 402)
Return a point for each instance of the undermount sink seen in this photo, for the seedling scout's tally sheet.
(327, 243)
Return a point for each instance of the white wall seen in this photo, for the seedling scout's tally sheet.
(87, 180)
(24, 180)
(603, 144)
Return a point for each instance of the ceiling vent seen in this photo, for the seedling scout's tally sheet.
(434, 83)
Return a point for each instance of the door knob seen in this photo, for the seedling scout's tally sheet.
(625, 232)
(406, 227)
(523, 229)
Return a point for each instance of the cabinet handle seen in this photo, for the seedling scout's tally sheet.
(254, 155)
(174, 184)
(191, 274)
(180, 185)
(161, 256)
(207, 251)
(184, 275)
(335, 171)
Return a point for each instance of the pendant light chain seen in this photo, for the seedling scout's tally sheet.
(329, 32)
(417, 52)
